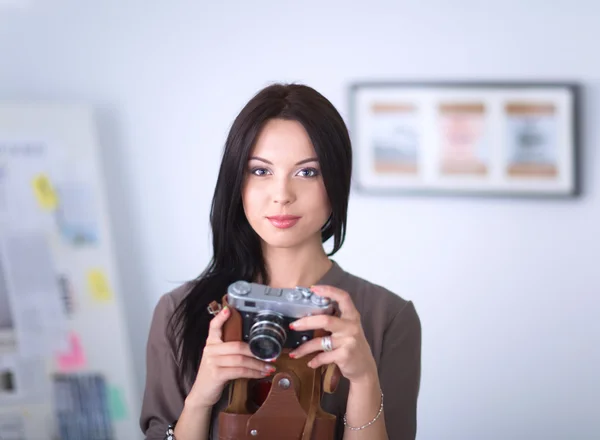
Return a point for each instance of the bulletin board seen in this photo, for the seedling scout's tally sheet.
(65, 366)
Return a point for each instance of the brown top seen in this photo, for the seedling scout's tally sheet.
(392, 328)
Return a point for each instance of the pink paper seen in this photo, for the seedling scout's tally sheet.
(74, 359)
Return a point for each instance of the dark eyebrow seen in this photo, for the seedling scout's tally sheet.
(310, 159)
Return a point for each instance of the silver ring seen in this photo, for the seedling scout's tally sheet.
(326, 343)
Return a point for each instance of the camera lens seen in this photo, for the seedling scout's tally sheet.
(267, 335)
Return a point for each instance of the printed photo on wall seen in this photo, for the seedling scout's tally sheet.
(532, 143)
(394, 139)
(463, 144)
(460, 138)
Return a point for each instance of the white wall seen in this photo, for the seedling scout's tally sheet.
(508, 291)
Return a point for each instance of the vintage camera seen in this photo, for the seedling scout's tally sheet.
(267, 312)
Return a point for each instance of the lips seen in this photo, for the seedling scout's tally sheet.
(283, 221)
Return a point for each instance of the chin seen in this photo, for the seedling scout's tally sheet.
(287, 239)
(282, 242)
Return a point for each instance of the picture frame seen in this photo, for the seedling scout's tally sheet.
(516, 139)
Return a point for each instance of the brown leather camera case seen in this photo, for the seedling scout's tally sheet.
(292, 409)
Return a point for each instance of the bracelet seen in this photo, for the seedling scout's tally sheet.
(170, 434)
(367, 424)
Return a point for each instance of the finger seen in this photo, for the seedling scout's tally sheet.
(237, 360)
(312, 346)
(240, 372)
(340, 296)
(330, 323)
(226, 348)
(308, 347)
(325, 358)
(215, 328)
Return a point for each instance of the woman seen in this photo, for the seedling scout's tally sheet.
(282, 191)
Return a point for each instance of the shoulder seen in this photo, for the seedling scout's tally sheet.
(169, 301)
(384, 313)
(164, 309)
(373, 298)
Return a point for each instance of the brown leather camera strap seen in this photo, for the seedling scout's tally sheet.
(238, 396)
(232, 329)
(331, 378)
(315, 402)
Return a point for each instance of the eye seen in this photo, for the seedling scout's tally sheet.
(308, 172)
(259, 171)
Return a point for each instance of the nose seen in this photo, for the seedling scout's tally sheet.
(283, 192)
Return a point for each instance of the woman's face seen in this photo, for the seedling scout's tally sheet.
(283, 194)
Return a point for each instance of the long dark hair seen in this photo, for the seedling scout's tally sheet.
(237, 253)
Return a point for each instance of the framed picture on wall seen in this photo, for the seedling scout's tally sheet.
(480, 138)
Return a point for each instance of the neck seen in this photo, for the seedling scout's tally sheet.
(298, 266)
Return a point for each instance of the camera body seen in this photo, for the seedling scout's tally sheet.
(267, 312)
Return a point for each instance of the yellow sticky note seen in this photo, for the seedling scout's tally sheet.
(98, 285)
(44, 192)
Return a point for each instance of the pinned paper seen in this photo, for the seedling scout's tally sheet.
(12, 426)
(74, 358)
(98, 285)
(39, 322)
(44, 192)
(3, 191)
(116, 404)
(77, 215)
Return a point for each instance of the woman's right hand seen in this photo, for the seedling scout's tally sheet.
(222, 362)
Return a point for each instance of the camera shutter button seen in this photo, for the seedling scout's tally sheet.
(306, 293)
(293, 295)
(241, 288)
(319, 300)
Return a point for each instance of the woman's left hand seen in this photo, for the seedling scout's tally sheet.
(351, 351)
